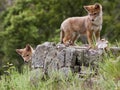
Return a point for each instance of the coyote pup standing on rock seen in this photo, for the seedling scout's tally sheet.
(72, 27)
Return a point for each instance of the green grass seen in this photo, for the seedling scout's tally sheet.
(108, 78)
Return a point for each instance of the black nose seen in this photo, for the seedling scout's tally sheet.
(92, 19)
(26, 62)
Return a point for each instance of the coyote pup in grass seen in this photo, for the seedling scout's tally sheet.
(88, 25)
(26, 53)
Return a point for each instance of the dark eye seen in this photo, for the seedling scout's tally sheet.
(27, 55)
(95, 13)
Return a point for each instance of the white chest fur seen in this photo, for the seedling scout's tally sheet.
(96, 28)
(97, 23)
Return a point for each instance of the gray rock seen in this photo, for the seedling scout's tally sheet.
(38, 57)
(52, 67)
(61, 58)
(70, 58)
(60, 47)
(79, 56)
(41, 53)
(51, 60)
(91, 57)
(51, 57)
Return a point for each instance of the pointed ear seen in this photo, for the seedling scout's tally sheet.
(28, 47)
(97, 6)
(19, 51)
(87, 8)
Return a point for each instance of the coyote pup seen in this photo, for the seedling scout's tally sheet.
(26, 53)
(88, 25)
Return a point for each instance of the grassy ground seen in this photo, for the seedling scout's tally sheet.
(108, 78)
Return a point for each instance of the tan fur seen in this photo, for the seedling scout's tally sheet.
(25, 53)
(72, 27)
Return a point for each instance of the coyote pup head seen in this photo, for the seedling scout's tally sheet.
(25, 53)
(94, 11)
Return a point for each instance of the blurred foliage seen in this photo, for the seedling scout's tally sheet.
(37, 21)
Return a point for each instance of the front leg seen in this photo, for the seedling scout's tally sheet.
(89, 37)
(97, 35)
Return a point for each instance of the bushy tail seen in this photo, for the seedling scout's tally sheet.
(61, 35)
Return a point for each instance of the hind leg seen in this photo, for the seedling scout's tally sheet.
(74, 37)
(67, 38)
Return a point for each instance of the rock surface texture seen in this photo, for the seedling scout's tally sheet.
(50, 57)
